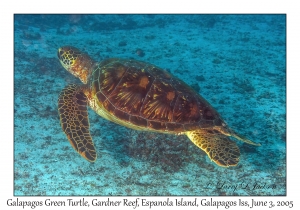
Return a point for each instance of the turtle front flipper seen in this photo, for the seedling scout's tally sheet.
(72, 108)
(217, 146)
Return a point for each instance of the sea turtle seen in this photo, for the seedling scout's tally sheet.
(140, 96)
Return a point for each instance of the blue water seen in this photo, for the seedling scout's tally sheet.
(236, 62)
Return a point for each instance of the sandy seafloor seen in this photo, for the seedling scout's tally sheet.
(237, 62)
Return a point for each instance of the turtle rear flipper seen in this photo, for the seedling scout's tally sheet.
(218, 147)
(72, 108)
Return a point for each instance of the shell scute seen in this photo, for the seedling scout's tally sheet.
(176, 127)
(157, 125)
(187, 109)
(136, 120)
(130, 92)
(109, 76)
(191, 126)
(109, 106)
(159, 105)
(121, 114)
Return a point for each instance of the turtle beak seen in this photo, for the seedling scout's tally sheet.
(59, 53)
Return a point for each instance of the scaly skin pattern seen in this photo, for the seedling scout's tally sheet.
(72, 108)
(140, 96)
(75, 62)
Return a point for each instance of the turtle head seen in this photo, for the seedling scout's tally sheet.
(76, 62)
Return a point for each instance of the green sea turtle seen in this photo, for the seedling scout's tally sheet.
(140, 96)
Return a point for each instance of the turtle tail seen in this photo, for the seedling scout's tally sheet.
(228, 132)
(243, 138)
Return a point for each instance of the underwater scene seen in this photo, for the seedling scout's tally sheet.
(223, 133)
